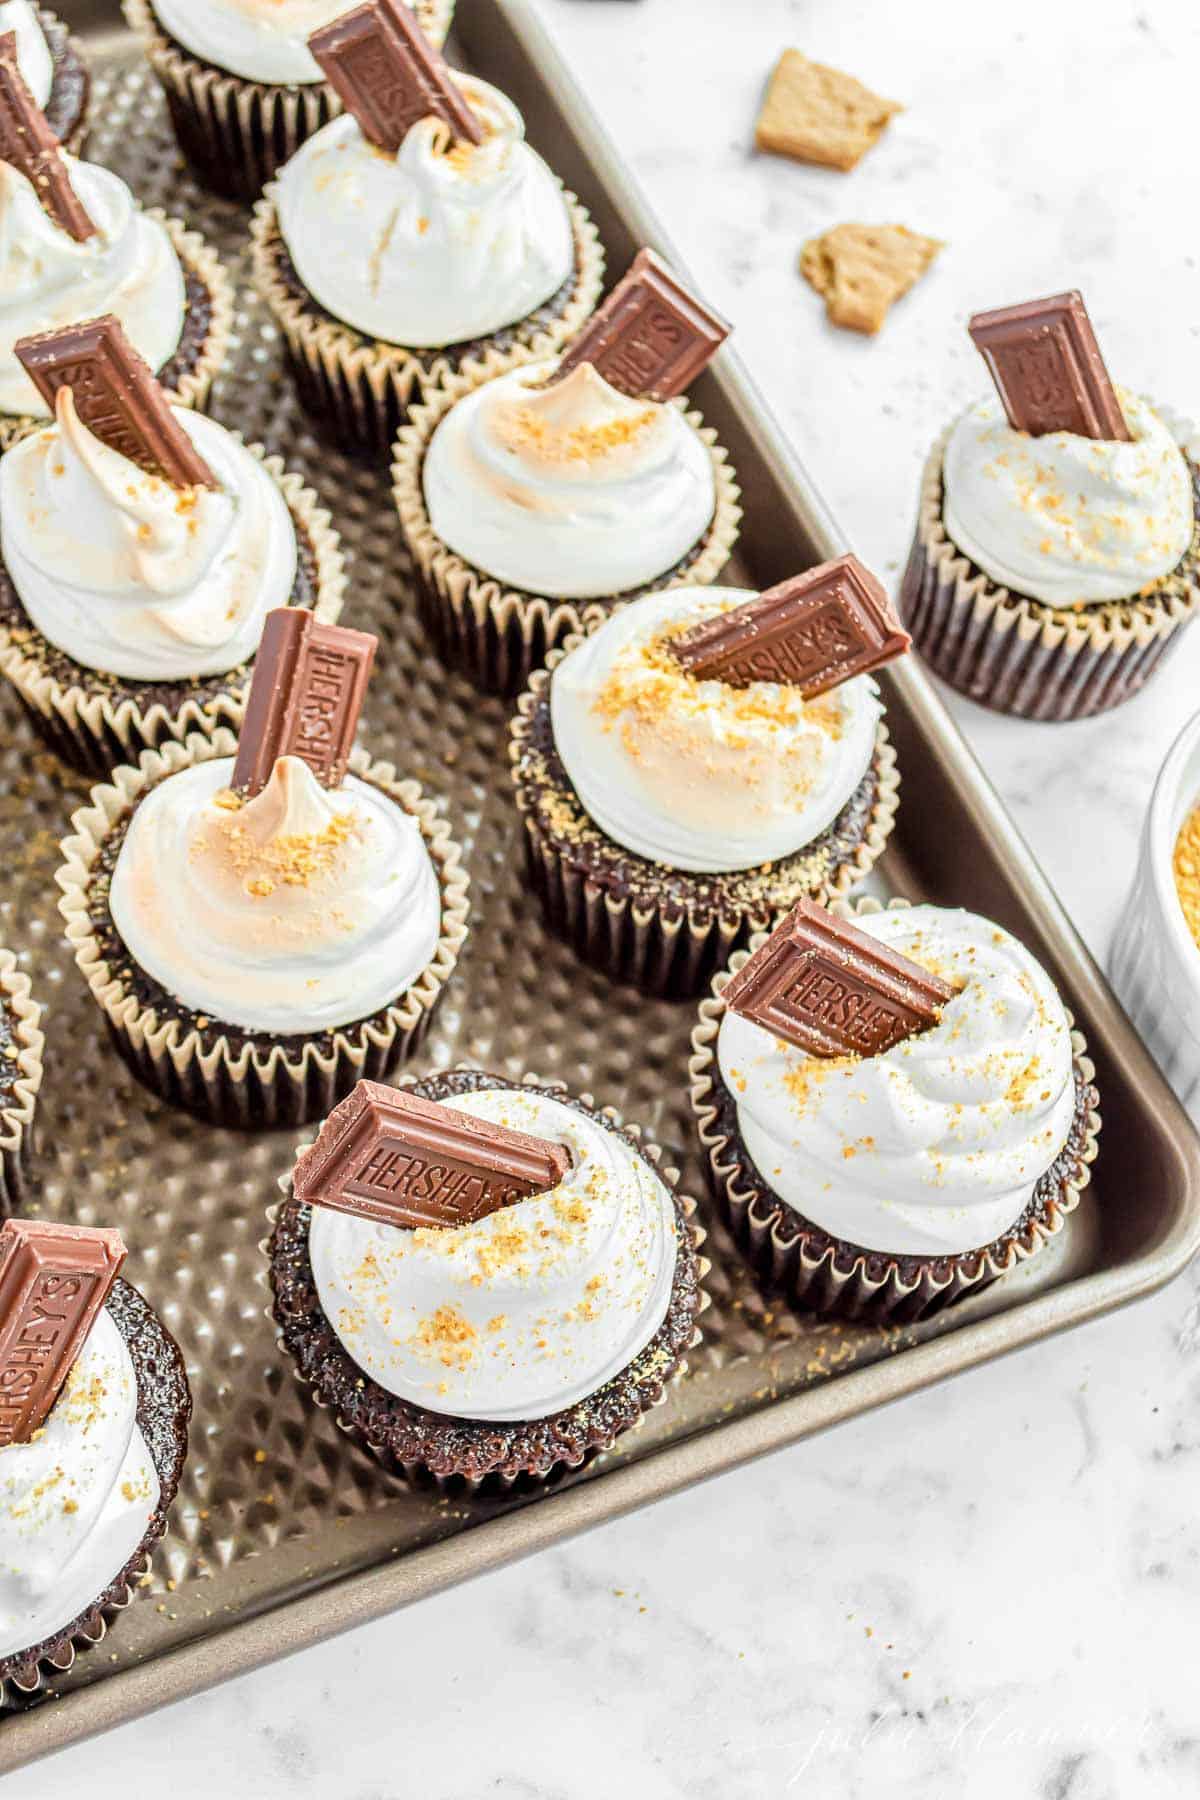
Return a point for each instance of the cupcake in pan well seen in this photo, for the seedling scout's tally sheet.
(883, 1186)
(21, 1047)
(535, 503)
(242, 87)
(1053, 568)
(84, 1495)
(53, 67)
(256, 952)
(130, 608)
(387, 271)
(667, 816)
(512, 1344)
(161, 280)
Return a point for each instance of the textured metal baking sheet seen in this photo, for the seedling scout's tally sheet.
(283, 1532)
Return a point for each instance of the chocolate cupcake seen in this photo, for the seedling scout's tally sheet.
(53, 68)
(242, 87)
(474, 1343)
(668, 814)
(882, 1183)
(131, 604)
(258, 943)
(76, 246)
(91, 1450)
(536, 502)
(1057, 554)
(21, 1046)
(390, 267)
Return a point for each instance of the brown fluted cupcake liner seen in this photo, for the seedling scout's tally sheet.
(254, 1081)
(164, 1409)
(71, 84)
(23, 1050)
(420, 1444)
(495, 635)
(190, 384)
(669, 947)
(362, 388)
(95, 727)
(828, 1275)
(1022, 656)
(234, 133)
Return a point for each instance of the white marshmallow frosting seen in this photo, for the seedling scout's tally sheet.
(33, 52)
(697, 774)
(573, 490)
(260, 40)
(75, 1502)
(1063, 519)
(445, 241)
(129, 575)
(298, 911)
(936, 1146)
(127, 267)
(524, 1312)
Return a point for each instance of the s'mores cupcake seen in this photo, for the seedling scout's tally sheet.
(94, 1411)
(484, 1278)
(1057, 557)
(537, 502)
(52, 66)
(414, 236)
(895, 1106)
(701, 761)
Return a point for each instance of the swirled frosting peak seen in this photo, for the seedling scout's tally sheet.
(936, 1146)
(443, 242)
(574, 490)
(131, 576)
(33, 52)
(261, 40)
(76, 1500)
(694, 773)
(297, 911)
(127, 267)
(528, 1310)
(1063, 519)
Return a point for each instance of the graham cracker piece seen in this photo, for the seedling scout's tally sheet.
(861, 269)
(820, 115)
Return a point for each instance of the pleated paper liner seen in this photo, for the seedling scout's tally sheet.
(469, 1454)
(265, 1081)
(164, 1408)
(96, 727)
(71, 83)
(17, 1112)
(497, 635)
(830, 1276)
(360, 388)
(1021, 656)
(664, 950)
(235, 133)
(193, 387)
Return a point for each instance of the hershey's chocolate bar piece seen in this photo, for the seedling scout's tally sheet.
(28, 145)
(651, 338)
(116, 396)
(53, 1281)
(388, 74)
(305, 698)
(832, 990)
(811, 633)
(1048, 369)
(389, 1155)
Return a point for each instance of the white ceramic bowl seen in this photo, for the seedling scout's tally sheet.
(1155, 964)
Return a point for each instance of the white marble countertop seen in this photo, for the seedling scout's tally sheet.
(989, 1590)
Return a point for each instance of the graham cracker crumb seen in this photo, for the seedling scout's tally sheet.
(820, 115)
(861, 269)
